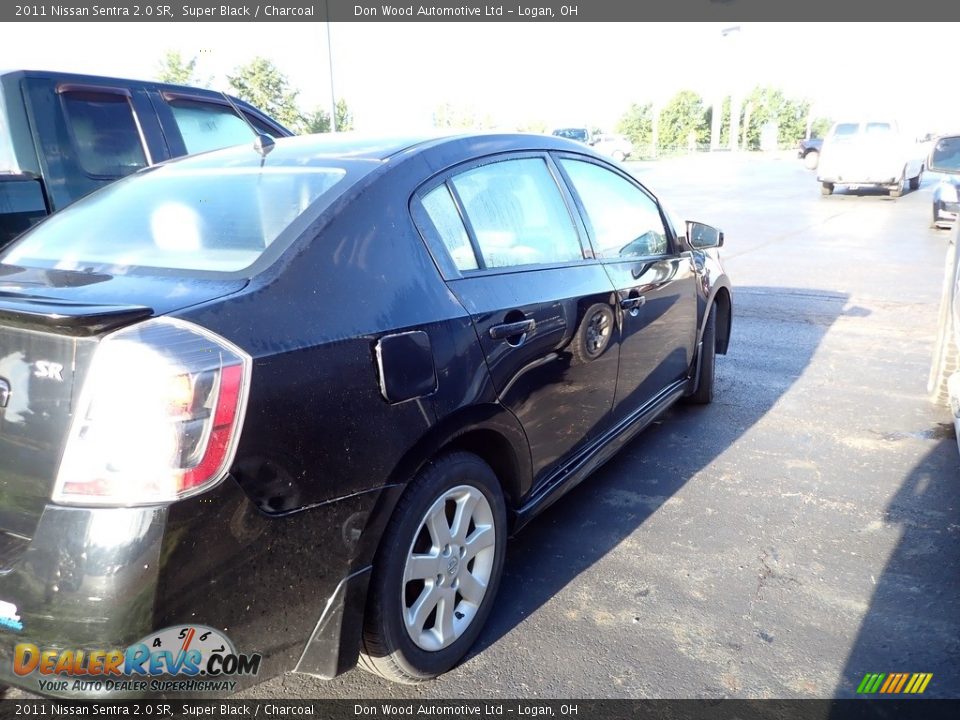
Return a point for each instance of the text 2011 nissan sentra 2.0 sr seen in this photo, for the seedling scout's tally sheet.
(288, 403)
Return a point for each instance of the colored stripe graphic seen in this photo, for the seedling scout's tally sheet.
(867, 683)
(897, 681)
(894, 683)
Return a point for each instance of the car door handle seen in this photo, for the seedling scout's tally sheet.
(632, 303)
(512, 329)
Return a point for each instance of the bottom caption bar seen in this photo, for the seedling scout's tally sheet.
(712, 709)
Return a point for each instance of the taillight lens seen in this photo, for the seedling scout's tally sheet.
(158, 418)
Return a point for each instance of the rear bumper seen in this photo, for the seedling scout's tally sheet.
(946, 212)
(290, 588)
(87, 580)
(858, 180)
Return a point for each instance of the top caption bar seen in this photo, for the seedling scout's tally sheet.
(853, 11)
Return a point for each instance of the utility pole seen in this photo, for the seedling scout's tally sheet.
(333, 97)
(655, 130)
(716, 121)
(735, 91)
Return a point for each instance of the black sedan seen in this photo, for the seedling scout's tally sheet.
(278, 407)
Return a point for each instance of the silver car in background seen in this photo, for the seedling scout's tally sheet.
(613, 146)
(869, 154)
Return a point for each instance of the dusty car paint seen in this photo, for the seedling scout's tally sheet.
(279, 553)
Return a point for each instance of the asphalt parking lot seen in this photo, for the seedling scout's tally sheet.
(797, 534)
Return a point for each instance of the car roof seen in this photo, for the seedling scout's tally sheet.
(360, 146)
(102, 79)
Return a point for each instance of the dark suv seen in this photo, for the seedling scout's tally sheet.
(63, 135)
(580, 134)
(303, 394)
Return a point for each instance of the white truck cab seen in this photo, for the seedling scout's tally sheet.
(869, 153)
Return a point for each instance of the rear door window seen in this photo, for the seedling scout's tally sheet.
(104, 132)
(517, 214)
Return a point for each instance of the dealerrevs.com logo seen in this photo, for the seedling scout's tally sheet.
(185, 658)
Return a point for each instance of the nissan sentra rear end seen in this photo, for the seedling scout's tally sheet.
(122, 532)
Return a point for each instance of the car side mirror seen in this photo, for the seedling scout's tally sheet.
(945, 155)
(702, 236)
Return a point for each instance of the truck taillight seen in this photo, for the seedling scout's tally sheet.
(158, 419)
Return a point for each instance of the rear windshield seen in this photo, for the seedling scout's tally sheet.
(845, 130)
(878, 129)
(214, 213)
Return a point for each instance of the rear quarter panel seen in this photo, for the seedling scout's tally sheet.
(318, 427)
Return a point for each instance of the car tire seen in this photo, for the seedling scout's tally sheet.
(915, 181)
(826, 188)
(619, 156)
(897, 190)
(593, 336)
(811, 160)
(708, 362)
(407, 645)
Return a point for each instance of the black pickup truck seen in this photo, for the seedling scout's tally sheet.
(809, 151)
(63, 135)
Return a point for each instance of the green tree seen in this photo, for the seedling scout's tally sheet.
(449, 115)
(319, 120)
(637, 125)
(724, 140)
(533, 126)
(261, 84)
(684, 118)
(769, 104)
(820, 127)
(173, 68)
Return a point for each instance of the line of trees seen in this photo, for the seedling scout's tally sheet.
(260, 83)
(686, 120)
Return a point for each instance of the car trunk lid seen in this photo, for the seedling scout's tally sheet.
(50, 325)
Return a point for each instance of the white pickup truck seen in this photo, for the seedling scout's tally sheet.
(869, 153)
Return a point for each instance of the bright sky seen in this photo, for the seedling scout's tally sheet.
(394, 75)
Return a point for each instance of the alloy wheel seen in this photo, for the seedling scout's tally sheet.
(448, 568)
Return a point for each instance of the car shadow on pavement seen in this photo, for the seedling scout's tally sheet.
(913, 622)
(876, 192)
(776, 332)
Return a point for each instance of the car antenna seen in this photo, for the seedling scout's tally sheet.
(262, 142)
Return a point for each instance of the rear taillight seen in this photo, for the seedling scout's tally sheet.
(158, 418)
